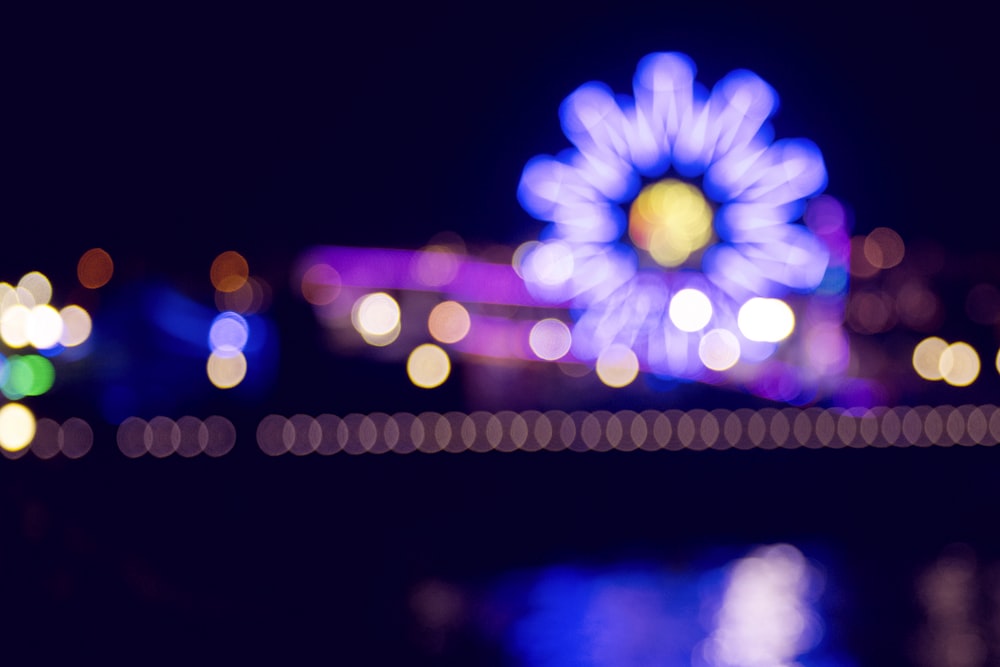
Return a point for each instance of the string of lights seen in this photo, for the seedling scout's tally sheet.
(533, 431)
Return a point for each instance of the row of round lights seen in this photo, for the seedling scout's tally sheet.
(73, 439)
(187, 436)
(508, 431)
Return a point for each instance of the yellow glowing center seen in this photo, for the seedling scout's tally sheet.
(671, 220)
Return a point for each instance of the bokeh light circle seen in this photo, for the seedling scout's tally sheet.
(228, 334)
(45, 444)
(428, 366)
(671, 220)
(883, 248)
(226, 371)
(27, 375)
(719, 349)
(376, 314)
(77, 326)
(959, 364)
(766, 320)
(550, 339)
(617, 366)
(927, 357)
(14, 325)
(220, 436)
(229, 271)
(690, 310)
(44, 327)
(38, 286)
(17, 427)
(321, 284)
(449, 322)
(95, 268)
(131, 437)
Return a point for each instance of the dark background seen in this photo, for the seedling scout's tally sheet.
(167, 137)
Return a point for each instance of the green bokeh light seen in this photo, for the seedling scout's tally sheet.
(26, 375)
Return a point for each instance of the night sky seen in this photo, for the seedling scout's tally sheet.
(167, 137)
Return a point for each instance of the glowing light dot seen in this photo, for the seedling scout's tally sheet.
(45, 444)
(76, 326)
(719, 350)
(17, 427)
(44, 327)
(428, 366)
(617, 366)
(229, 334)
(670, 219)
(449, 322)
(220, 436)
(959, 364)
(690, 310)
(131, 437)
(14, 325)
(28, 375)
(225, 372)
(38, 286)
(550, 339)
(883, 248)
(766, 320)
(376, 314)
(550, 263)
(95, 268)
(321, 284)
(77, 437)
(229, 271)
(927, 358)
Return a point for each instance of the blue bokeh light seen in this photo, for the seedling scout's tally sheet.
(228, 334)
